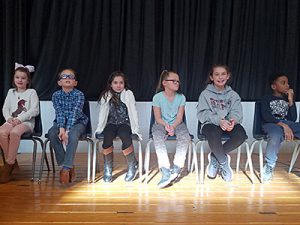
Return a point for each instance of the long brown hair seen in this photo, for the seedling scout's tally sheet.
(108, 89)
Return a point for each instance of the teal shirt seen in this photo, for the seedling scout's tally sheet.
(168, 109)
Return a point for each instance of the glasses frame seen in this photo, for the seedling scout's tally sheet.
(65, 76)
(174, 81)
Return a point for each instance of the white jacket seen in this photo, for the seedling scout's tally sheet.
(128, 99)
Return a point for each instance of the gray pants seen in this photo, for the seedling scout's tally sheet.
(183, 138)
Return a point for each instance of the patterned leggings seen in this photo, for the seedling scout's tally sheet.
(183, 139)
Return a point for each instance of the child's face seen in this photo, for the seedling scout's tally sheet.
(67, 79)
(21, 80)
(219, 77)
(172, 82)
(281, 85)
(118, 84)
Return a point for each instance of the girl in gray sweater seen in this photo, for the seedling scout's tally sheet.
(220, 112)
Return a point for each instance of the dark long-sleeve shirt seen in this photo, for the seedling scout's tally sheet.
(68, 108)
(275, 109)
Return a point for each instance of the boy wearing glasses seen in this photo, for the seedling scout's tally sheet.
(69, 123)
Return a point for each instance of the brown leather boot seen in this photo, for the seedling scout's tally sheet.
(72, 174)
(64, 176)
(6, 175)
(16, 167)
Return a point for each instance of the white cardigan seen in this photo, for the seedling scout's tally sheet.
(128, 99)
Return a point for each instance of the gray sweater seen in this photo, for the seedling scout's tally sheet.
(213, 105)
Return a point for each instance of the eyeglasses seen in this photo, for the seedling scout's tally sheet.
(65, 76)
(174, 81)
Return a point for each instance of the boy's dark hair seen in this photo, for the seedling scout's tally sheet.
(108, 89)
(23, 70)
(275, 76)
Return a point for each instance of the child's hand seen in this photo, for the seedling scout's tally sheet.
(11, 121)
(61, 133)
(231, 125)
(288, 133)
(169, 129)
(224, 124)
(290, 94)
(16, 122)
(65, 138)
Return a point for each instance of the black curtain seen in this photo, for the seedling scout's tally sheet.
(255, 38)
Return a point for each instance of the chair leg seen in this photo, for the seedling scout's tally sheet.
(201, 160)
(147, 161)
(189, 156)
(294, 156)
(140, 161)
(251, 151)
(195, 161)
(90, 148)
(261, 161)
(238, 157)
(94, 161)
(249, 160)
(33, 158)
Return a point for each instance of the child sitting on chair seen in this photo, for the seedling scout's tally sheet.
(278, 117)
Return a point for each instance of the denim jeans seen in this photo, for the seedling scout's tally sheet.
(66, 157)
(275, 135)
(214, 133)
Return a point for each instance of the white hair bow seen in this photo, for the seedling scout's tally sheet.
(29, 67)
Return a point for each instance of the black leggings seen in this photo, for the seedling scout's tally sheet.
(214, 133)
(111, 131)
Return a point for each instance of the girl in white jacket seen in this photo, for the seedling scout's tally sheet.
(118, 117)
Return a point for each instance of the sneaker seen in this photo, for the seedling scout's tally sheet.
(165, 179)
(132, 171)
(267, 172)
(64, 176)
(225, 170)
(212, 167)
(175, 173)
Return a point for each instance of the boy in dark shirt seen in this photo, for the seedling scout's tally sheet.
(279, 114)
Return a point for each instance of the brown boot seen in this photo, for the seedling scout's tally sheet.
(16, 167)
(72, 174)
(64, 176)
(6, 175)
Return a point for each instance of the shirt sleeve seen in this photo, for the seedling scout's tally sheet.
(292, 113)
(76, 110)
(6, 106)
(156, 100)
(183, 100)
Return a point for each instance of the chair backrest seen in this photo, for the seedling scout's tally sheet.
(86, 111)
(38, 128)
(257, 122)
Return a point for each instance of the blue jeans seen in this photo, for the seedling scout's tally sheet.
(66, 157)
(275, 135)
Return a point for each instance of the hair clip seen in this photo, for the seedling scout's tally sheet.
(29, 67)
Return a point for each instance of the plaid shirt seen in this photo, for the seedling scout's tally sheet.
(68, 108)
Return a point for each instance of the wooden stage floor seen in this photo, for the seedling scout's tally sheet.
(215, 202)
